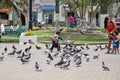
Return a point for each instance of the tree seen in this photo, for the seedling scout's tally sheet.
(80, 6)
(21, 8)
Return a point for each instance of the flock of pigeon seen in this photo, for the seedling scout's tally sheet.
(68, 53)
(76, 53)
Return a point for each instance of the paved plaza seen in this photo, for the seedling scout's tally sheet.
(11, 68)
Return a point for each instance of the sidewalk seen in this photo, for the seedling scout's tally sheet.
(11, 68)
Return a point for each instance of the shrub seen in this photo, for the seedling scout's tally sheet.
(29, 33)
(36, 28)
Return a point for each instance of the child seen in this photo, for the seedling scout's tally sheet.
(55, 41)
(115, 42)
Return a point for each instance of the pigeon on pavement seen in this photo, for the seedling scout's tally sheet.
(1, 56)
(38, 47)
(5, 49)
(105, 68)
(37, 67)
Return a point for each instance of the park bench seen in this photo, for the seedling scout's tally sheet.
(11, 32)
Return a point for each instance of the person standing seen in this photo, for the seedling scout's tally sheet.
(71, 21)
(75, 22)
(115, 42)
(110, 27)
(2, 29)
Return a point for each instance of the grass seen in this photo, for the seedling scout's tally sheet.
(44, 35)
(9, 39)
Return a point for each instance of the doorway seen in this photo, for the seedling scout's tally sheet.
(48, 17)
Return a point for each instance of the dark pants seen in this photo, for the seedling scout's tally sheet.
(55, 45)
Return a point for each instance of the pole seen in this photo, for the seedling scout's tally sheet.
(30, 14)
(65, 12)
(82, 9)
(57, 25)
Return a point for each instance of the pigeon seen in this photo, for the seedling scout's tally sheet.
(60, 62)
(96, 56)
(101, 48)
(28, 57)
(85, 54)
(19, 52)
(12, 53)
(86, 45)
(14, 47)
(76, 56)
(78, 62)
(37, 67)
(105, 68)
(87, 58)
(96, 49)
(82, 48)
(65, 46)
(49, 58)
(5, 49)
(23, 60)
(20, 56)
(37, 47)
(2, 57)
(28, 49)
(66, 65)
(106, 46)
(47, 46)
(55, 54)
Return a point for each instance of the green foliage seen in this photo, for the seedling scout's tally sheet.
(5, 4)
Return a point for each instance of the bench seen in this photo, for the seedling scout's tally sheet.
(11, 32)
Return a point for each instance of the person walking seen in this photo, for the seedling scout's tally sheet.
(110, 27)
(55, 41)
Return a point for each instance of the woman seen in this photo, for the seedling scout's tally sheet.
(71, 21)
(110, 27)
